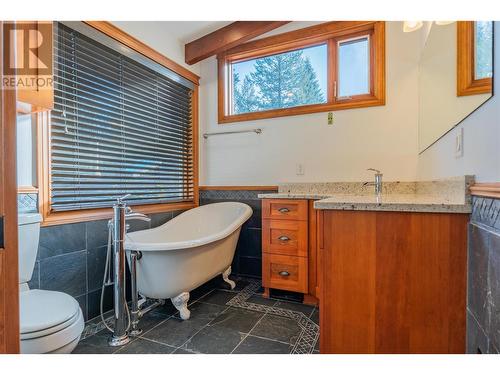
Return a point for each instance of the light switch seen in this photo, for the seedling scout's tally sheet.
(330, 118)
(299, 169)
(459, 143)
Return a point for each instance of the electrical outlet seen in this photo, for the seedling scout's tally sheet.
(330, 118)
(299, 169)
(459, 143)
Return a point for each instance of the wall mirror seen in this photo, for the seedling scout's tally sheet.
(455, 75)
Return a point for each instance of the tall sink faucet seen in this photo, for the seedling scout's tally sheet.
(378, 181)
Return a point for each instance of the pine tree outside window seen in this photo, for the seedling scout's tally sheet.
(283, 80)
(332, 66)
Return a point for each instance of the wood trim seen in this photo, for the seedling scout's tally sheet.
(321, 247)
(43, 163)
(298, 38)
(9, 272)
(68, 217)
(27, 190)
(314, 35)
(195, 105)
(226, 38)
(490, 190)
(251, 188)
(302, 110)
(138, 46)
(313, 249)
(466, 82)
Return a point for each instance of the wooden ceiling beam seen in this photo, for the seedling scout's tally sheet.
(226, 38)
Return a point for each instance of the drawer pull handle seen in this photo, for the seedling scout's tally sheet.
(284, 210)
(284, 238)
(284, 273)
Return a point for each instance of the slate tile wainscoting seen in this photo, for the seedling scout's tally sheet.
(483, 295)
(248, 257)
(71, 258)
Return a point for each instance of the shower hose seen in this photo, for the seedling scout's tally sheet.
(107, 281)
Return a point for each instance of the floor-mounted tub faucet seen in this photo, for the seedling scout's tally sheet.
(378, 181)
(122, 318)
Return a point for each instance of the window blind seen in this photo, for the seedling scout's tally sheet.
(117, 127)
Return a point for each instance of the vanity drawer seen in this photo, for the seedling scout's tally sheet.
(284, 209)
(284, 272)
(285, 237)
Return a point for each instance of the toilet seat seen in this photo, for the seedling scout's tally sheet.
(49, 321)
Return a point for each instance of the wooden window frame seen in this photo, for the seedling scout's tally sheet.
(467, 84)
(43, 145)
(330, 33)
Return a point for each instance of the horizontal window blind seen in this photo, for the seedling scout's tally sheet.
(117, 127)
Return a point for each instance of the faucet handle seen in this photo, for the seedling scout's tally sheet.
(120, 200)
(374, 170)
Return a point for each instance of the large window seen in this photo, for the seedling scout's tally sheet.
(336, 65)
(474, 57)
(121, 124)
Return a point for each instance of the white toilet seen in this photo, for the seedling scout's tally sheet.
(50, 322)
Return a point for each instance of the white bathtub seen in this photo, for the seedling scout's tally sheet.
(187, 251)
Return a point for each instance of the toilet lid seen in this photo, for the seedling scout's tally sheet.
(43, 309)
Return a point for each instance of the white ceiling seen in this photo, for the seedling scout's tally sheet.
(187, 31)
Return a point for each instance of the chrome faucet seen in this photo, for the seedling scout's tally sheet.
(378, 181)
(136, 216)
(122, 318)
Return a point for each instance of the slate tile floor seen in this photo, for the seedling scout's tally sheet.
(222, 321)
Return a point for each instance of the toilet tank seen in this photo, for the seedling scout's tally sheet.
(28, 235)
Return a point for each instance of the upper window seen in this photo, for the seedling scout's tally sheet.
(474, 57)
(354, 67)
(337, 65)
(119, 125)
(283, 80)
(483, 49)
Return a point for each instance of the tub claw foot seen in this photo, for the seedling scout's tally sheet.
(180, 303)
(225, 276)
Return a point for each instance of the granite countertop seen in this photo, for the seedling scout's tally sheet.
(392, 202)
(448, 195)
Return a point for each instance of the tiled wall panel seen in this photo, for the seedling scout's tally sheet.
(248, 257)
(483, 282)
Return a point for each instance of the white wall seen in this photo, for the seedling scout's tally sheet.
(481, 140)
(158, 36)
(380, 137)
(26, 151)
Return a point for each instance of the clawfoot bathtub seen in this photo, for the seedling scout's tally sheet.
(187, 251)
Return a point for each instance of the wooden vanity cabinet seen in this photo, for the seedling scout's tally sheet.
(289, 247)
(393, 282)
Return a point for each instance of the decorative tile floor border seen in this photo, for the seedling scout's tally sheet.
(310, 331)
(91, 328)
(305, 343)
